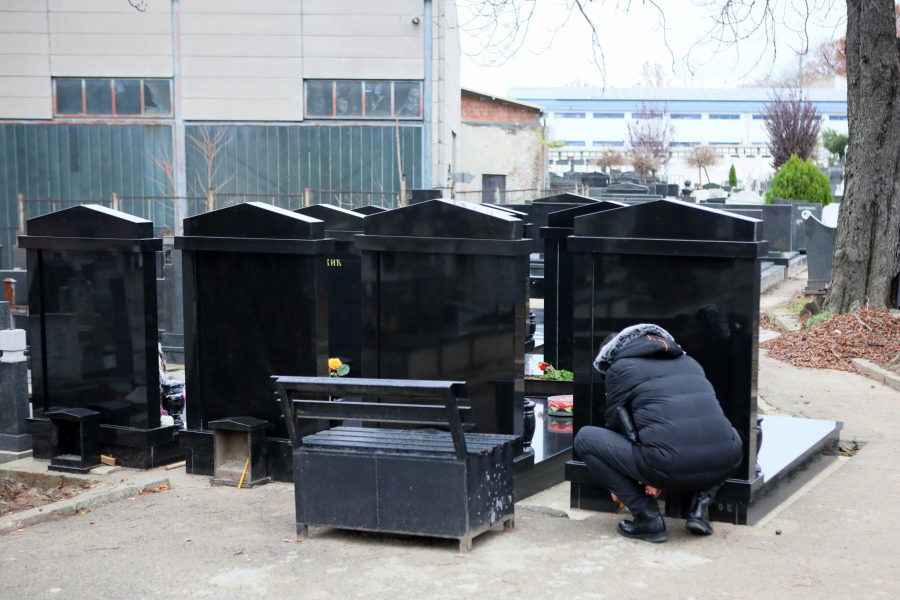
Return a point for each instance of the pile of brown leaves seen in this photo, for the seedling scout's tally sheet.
(765, 323)
(15, 496)
(872, 334)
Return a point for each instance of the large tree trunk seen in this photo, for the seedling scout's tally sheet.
(867, 252)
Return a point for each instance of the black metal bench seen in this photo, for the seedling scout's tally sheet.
(406, 481)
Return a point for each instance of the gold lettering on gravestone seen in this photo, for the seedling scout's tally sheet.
(333, 262)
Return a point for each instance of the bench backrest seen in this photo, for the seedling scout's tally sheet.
(450, 393)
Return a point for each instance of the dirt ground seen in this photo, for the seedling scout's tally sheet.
(16, 496)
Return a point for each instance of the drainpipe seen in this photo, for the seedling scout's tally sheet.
(427, 183)
(178, 162)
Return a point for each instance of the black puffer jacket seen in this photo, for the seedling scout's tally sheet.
(684, 440)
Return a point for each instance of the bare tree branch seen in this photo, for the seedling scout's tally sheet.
(139, 5)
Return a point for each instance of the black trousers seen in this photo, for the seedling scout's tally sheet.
(608, 455)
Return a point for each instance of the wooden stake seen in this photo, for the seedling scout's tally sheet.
(107, 460)
(176, 465)
(241, 482)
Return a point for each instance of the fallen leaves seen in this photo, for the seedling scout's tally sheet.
(869, 333)
(161, 488)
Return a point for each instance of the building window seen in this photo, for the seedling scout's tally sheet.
(684, 144)
(569, 115)
(685, 116)
(837, 117)
(725, 116)
(761, 117)
(609, 144)
(571, 143)
(649, 115)
(112, 97)
(609, 115)
(363, 99)
(724, 144)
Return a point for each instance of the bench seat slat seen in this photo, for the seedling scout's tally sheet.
(400, 440)
(419, 414)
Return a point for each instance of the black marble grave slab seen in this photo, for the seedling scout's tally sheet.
(626, 188)
(93, 325)
(256, 304)
(343, 268)
(444, 298)
(558, 281)
(699, 279)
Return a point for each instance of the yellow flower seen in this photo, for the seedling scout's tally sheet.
(334, 364)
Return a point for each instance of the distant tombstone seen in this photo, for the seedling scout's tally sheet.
(344, 272)
(696, 271)
(745, 197)
(417, 196)
(672, 190)
(798, 228)
(444, 298)
(629, 176)
(661, 189)
(558, 299)
(711, 186)
(626, 188)
(93, 329)
(371, 209)
(595, 179)
(540, 208)
(820, 242)
(256, 305)
(170, 302)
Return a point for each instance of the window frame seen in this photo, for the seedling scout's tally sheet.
(724, 116)
(112, 88)
(686, 116)
(608, 115)
(837, 117)
(569, 115)
(608, 144)
(362, 87)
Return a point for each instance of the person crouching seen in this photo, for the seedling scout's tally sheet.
(664, 430)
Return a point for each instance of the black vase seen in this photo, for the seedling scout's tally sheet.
(530, 422)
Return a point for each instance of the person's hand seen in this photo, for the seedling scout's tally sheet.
(615, 498)
(652, 491)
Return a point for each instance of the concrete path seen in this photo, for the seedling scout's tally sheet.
(841, 539)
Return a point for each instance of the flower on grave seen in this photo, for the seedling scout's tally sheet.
(543, 366)
(336, 368)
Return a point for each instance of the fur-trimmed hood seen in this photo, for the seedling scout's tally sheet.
(610, 351)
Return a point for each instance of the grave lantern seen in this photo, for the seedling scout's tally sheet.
(694, 271)
(93, 329)
(255, 304)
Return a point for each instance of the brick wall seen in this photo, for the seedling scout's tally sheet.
(477, 108)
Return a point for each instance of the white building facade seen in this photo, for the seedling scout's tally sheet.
(591, 120)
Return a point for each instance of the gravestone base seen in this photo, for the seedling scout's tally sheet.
(816, 287)
(542, 465)
(793, 262)
(132, 448)
(770, 275)
(789, 445)
(6, 456)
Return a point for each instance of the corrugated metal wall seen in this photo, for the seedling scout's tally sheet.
(285, 159)
(91, 161)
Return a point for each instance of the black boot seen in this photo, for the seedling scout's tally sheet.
(648, 525)
(698, 520)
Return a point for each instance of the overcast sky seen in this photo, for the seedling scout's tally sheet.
(630, 38)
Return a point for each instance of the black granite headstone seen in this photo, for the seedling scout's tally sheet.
(625, 188)
(370, 209)
(444, 299)
(256, 304)
(820, 240)
(558, 282)
(344, 272)
(93, 328)
(694, 271)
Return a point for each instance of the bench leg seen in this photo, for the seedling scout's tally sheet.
(509, 523)
(465, 545)
(302, 531)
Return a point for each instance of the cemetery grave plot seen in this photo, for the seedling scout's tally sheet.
(17, 495)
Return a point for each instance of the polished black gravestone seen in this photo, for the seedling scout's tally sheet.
(558, 277)
(239, 450)
(798, 228)
(370, 209)
(820, 240)
(694, 271)
(542, 207)
(444, 298)
(344, 271)
(93, 326)
(626, 188)
(75, 440)
(256, 304)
